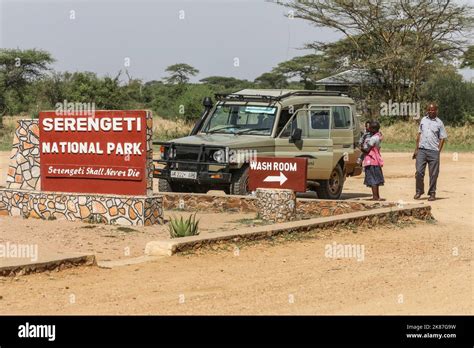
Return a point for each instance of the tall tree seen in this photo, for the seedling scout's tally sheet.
(225, 82)
(18, 68)
(180, 73)
(455, 97)
(468, 58)
(271, 80)
(307, 69)
(399, 39)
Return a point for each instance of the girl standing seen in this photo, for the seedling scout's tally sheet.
(373, 161)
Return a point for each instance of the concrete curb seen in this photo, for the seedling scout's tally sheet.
(174, 246)
(126, 262)
(59, 263)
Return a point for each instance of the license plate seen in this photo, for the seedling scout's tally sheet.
(183, 175)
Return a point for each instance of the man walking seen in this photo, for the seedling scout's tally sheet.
(429, 143)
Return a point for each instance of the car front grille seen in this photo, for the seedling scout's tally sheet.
(193, 167)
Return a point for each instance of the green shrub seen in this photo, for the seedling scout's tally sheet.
(188, 105)
(455, 97)
(180, 227)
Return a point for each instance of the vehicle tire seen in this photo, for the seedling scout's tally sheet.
(331, 188)
(240, 182)
(164, 186)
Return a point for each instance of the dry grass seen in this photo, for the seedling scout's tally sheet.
(405, 132)
(6, 138)
(403, 135)
(11, 121)
(164, 129)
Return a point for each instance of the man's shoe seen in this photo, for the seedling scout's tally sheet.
(432, 197)
(417, 196)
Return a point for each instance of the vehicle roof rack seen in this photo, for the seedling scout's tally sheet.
(269, 98)
(314, 93)
(245, 97)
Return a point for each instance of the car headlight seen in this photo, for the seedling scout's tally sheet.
(219, 156)
(167, 152)
(162, 152)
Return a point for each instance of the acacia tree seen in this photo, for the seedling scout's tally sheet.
(307, 69)
(271, 80)
(468, 58)
(400, 40)
(19, 68)
(226, 83)
(180, 73)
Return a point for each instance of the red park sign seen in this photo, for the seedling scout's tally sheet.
(103, 152)
(275, 172)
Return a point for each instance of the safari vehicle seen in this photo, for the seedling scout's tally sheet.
(318, 125)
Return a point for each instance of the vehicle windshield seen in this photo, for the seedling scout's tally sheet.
(241, 119)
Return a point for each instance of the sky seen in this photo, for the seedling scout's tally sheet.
(239, 38)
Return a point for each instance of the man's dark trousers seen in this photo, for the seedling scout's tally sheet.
(424, 157)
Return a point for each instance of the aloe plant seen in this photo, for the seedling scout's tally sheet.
(180, 227)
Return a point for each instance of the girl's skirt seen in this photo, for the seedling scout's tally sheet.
(373, 176)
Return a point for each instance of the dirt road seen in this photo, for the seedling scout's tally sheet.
(422, 268)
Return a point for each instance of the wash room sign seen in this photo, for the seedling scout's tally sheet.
(278, 172)
(100, 152)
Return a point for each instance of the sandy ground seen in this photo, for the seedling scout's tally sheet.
(422, 268)
(106, 242)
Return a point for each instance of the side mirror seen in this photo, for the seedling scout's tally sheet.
(207, 102)
(295, 135)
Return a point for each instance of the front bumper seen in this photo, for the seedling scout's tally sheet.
(203, 177)
(207, 171)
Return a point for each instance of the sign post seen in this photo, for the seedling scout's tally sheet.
(278, 173)
(102, 153)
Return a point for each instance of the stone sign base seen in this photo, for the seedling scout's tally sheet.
(108, 209)
(276, 205)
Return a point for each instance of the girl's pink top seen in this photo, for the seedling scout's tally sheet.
(374, 158)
